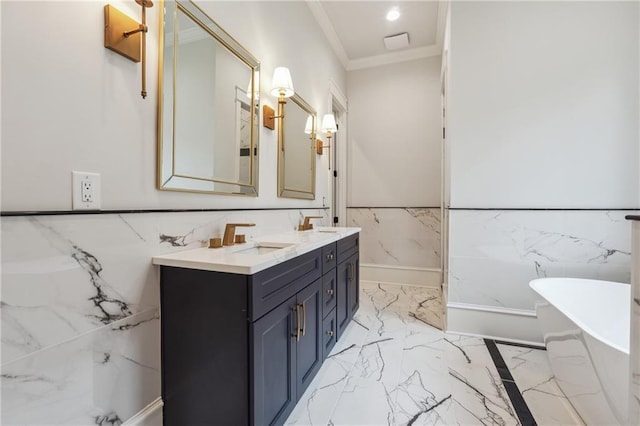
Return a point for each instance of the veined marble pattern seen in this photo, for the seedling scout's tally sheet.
(494, 254)
(102, 378)
(392, 368)
(66, 280)
(398, 236)
(634, 393)
(531, 371)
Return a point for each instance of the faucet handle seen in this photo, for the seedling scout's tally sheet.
(306, 225)
(230, 230)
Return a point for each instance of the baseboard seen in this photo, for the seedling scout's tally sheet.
(151, 415)
(517, 325)
(424, 277)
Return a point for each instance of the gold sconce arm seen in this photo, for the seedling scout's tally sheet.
(119, 37)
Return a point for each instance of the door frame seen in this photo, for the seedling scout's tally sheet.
(337, 104)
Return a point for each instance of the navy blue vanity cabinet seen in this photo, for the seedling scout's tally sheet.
(241, 349)
(287, 354)
(347, 282)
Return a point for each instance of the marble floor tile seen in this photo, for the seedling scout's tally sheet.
(532, 373)
(391, 367)
(477, 390)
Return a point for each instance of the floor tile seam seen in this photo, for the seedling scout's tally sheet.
(516, 399)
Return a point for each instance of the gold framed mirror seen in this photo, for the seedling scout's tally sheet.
(296, 151)
(208, 89)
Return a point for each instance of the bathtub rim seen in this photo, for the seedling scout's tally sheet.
(536, 284)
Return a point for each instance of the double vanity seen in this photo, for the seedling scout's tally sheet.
(245, 328)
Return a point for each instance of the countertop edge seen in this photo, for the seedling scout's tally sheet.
(169, 260)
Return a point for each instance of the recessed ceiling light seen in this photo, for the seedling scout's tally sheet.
(393, 14)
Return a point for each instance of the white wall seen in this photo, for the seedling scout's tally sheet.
(70, 104)
(543, 112)
(544, 104)
(394, 135)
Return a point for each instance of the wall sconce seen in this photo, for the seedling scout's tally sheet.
(282, 87)
(329, 127)
(123, 34)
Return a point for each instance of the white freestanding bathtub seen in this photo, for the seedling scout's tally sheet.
(585, 324)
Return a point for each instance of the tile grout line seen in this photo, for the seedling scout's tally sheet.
(516, 398)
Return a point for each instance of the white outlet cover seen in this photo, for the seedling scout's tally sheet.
(76, 191)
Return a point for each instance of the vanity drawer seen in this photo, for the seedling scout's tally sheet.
(329, 256)
(348, 247)
(328, 333)
(328, 292)
(271, 287)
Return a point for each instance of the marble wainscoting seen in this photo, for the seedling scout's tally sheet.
(495, 253)
(79, 308)
(400, 245)
(634, 352)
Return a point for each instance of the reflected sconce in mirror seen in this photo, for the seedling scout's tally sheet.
(123, 35)
(282, 87)
(256, 88)
(329, 127)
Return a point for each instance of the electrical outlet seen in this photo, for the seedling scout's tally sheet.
(86, 191)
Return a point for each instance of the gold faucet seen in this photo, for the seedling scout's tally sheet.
(230, 230)
(306, 225)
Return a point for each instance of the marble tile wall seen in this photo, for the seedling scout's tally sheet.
(495, 253)
(398, 236)
(634, 394)
(80, 308)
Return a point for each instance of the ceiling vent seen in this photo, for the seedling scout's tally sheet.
(398, 41)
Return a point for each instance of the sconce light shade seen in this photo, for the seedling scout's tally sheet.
(281, 83)
(329, 123)
(308, 128)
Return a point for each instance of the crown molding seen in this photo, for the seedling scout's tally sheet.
(395, 57)
(329, 31)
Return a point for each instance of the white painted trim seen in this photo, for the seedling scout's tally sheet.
(337, 101)
(423, 277)
(329, 31)
(443, 7)
(494, 322)
(395, 57)
(148, 411)
(499, 339)
(338, 94)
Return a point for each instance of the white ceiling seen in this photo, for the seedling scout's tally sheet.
(356, 29)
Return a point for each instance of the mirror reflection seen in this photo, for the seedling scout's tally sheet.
(296, 158)
(207, 117)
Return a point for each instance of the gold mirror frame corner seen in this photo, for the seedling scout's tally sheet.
(192, 11)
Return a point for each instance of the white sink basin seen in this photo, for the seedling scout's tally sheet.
(261, 248)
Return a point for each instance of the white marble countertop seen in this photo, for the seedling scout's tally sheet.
(245, 258)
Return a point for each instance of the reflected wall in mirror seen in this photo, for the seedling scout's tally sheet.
(207, 106)
(296, 158)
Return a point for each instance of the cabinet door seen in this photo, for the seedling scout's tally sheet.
(353, 293)
(342, 304)
(309, 347)
(274, 360)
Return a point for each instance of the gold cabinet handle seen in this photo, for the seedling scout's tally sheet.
(304, 318)
(330, 292)
(297, 333)
(330, 333)
(350, 271)
(330, 256)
